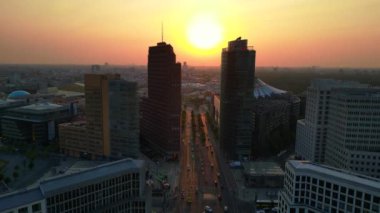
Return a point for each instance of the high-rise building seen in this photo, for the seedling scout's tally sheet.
(97, 110)
(237, 83)
(311, 133)
(111, 128)
(119, 186)
(124, 119)
(161, 110)
(353, 136)
(341, 127)
(312, 188)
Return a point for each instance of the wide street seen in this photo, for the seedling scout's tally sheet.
(200, 174)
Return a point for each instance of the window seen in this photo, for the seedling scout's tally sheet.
(36, 207)
(23, 210)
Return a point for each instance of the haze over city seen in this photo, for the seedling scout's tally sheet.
(204, 106)
(342, 33)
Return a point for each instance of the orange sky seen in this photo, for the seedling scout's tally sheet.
(284, 32)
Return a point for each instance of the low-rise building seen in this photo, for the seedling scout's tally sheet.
(312, 188)
(73, 142)
(263, 174)
(35, 123)
(118, 186)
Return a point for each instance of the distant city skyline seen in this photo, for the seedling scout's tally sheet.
(287, 33)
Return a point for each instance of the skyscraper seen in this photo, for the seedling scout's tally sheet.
(97, 111)
(124, 120)
(353, 137)
(160, 124)
(237, 83)
(112, 123)
(312, 131)
(341, 127)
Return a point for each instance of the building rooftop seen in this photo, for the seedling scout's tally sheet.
(66, 182)
(18, 94)
(263, 90)
(327, 84)
(74, 124)
(41, 107)
(343, 175)
(262, 168)
(13, 199)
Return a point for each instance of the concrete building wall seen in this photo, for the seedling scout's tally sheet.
(316, 188)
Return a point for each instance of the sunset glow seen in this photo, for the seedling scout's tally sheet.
(321, 33)
(204, 32)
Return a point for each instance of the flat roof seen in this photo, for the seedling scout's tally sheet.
(41, 106)
(260, 168)
(65, 182)
(74, 124)
(334, 173)
(19, 198)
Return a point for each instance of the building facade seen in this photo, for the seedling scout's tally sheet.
(161, 110)
(311, 133)
(111, 128)
(118, 186)
(124, 119)
(312, 188)
(97, 111)
(236, 101)
(353, 137)
(215, 112)
(35, 123)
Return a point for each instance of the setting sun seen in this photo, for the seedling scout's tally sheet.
(204, 32)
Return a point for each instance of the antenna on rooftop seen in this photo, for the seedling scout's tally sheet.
(162, 31)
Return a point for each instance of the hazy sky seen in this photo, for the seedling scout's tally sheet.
(283, 32)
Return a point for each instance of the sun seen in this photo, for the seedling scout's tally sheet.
(204, 32)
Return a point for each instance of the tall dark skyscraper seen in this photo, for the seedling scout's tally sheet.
(237, 83)
(160, 124)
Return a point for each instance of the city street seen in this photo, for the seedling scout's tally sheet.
(200, 174)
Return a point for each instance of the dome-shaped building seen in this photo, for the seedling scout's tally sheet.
(264, 90)
(275, 114)
(18, 94)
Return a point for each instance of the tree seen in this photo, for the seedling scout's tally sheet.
(7, 180)
(15, 174)
(31, 165)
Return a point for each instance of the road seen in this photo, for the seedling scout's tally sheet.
(199, 181)
(226, 180)
(188, 177)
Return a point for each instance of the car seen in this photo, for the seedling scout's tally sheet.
(208, 209)
(189, 200)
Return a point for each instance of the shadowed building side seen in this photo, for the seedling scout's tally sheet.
(160, 111)
(237, 83)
